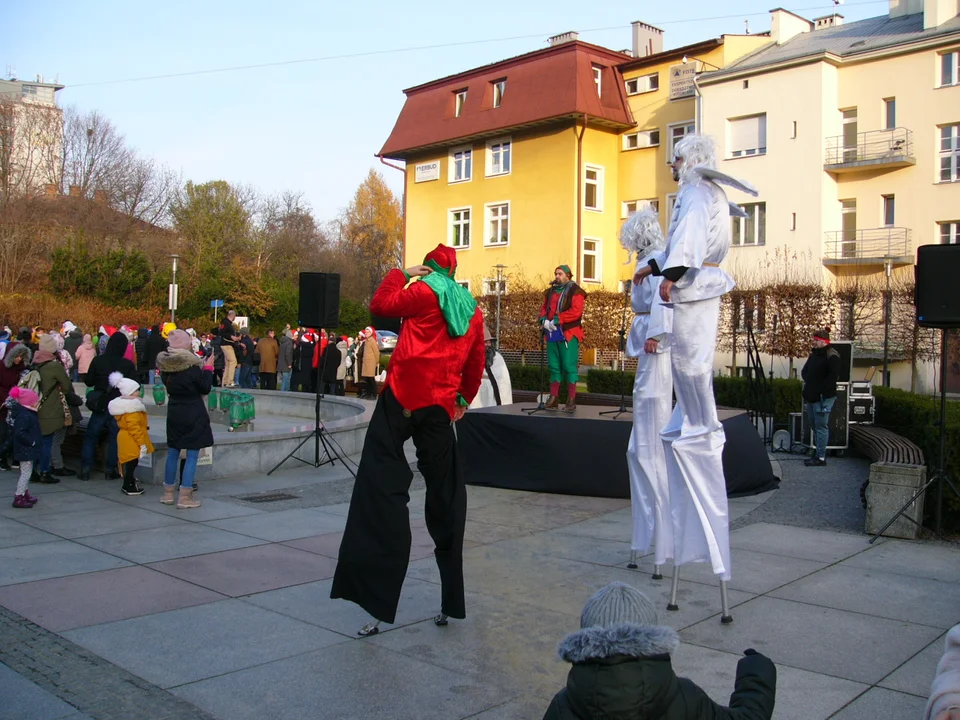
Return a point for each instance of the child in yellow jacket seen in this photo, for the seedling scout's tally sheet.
(133, 442)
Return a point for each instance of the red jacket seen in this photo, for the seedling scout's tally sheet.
(570, 314)
(428, 367)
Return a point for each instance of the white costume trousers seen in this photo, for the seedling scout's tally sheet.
(649, 489)
(693, 442)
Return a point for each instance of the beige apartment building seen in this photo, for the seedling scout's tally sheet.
(851, 133)
(31, 136)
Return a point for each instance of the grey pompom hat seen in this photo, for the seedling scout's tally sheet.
(618, 604)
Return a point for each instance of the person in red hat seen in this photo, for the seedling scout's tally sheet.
(434, 374)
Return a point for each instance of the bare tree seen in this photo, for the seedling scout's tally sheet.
(30, 143)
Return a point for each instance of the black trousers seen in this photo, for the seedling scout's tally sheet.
(375, 549)
(268, 381)
(129, 468)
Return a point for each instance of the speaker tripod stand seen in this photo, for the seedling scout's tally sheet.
(622, 348)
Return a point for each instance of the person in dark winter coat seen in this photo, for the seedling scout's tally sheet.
(303, 378)
(621, 669)
(98, 378)
(285, 360)
(820, 373)
(247, 349)
(15, 362)
(217, 358)
(140, 349)
(26, 442)
(187, 381)
(72, 340)
(156, 344)
(329, 365)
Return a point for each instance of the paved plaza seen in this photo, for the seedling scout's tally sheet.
(119, 607)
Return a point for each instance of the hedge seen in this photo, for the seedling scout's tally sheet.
(527, 377)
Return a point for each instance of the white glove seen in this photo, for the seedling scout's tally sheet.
(143, 451)
(549, 326)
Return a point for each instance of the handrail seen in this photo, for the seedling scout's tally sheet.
(888, 242)
(875, 146)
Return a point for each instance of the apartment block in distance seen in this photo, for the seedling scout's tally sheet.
(31, 136)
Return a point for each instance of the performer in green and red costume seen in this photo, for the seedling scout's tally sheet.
(560, 318)
(434, 374)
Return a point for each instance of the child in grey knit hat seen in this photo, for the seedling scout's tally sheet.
(621, 669)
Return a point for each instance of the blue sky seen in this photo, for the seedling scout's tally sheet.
(312, 126)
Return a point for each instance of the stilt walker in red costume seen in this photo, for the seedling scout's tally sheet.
(434, 374)
(560, 317)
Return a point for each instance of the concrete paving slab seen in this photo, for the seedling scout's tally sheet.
(165, 543)
(916, 559)
(479, 496)
(57, 503)
(572, 547)
(872, 592)
(862, 648)
(482, 533)
(182, 646)
(26, 563)
(617, 526)
(211, 509)
(24, 700)
(93, 598)
(526, 707)
(249, 570)
(916, 675)
(574, 502)
(529, 515)
(86, 523)
(796, 542)
(347, 681)
(283, 525)
(753, 572)
(737, 509)
(13, 533)
(327, 545)
(801, 695)
(882, 704)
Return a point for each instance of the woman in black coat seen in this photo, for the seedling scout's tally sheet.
(187, 381)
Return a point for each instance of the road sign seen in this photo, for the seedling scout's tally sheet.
(216, 303)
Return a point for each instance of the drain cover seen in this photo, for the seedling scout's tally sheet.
(267, 497)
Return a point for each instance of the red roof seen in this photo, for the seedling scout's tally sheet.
(548, 84)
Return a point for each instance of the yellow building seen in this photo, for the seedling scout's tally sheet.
(534, 161)
(851, 132)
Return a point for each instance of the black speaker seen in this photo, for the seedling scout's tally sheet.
(319, 300)
(845, 350)
(937, 299)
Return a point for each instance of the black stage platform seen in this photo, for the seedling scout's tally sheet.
(585, 453)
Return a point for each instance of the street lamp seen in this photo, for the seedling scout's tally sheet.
(499, 268)
(688, 58)
(172, 295)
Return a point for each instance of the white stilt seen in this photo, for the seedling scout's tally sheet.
(371, 628)
(673, 589)
(633, 560)
(725, 617)
(657, 575)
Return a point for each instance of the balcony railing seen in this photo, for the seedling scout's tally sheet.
(876, 149)
(875, 245)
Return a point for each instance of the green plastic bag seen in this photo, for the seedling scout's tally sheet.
(212, 400)
(236, 419)
(159, 394)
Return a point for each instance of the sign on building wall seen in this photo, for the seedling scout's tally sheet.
(427, 171)
(681, 80)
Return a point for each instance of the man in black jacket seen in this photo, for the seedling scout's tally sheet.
(329, 364)
(820, 374)
(156, 344)
(98, 378)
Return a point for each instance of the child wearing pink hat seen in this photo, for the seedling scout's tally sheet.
(26, 442)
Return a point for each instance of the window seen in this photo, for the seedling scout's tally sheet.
(950, 232)
(498, 224)
(677, 133)
(593, 188)
(848, 315)
(751, 230)
(461, 100)
(490, 286)
(629, 207)
(460, 228)
(889, 113)
(889, 211)
(597, 78)
(950, 153)
(461, 165)
(499, 154)
(27, 90)
(747, 136)
(645, 84)
(793, 223)
(671, 204)
(753, 312)
(465, 284)
(950, 68)
(642, 139)
(499, 87)
(591, 260)
(850, 137)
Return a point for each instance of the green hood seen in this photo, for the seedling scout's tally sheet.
(456, 302)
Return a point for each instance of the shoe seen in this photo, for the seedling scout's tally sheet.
(30, 498)
(167, 498)
(63, 472)
(113, 475)
(186, 500)
(14, 464)
(570, 408)
(134, 489)
(5, 465)
(20, 501)
(815, 462)
(84, 474)
(48, 479)
(552, 403)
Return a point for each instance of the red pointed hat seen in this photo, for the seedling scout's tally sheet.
(444, 256)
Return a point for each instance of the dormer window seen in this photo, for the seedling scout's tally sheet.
(460, 102)
(597, 77)
(499, 87)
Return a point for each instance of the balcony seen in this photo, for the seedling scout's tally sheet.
(868, 247)
(876, 150)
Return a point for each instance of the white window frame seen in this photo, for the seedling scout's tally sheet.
(506, 145)
(689, 126)
(598, 78)
(599, 184)
(753, 310)
(488, 219)
(626, 210)
(464, 284)
(642, 84)
(761, 142)
(596, 254)
(671, 205)
(641, 139)
(755, 220)
(490, 286)
(452, 165)
(452, 223)
(460, 99)
(883, 210)
(954, 64)
(499, 89)
(949, 232)
(888, 104)
(952, 152)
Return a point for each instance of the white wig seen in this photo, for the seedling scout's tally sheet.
(697, 152)
(641, 234)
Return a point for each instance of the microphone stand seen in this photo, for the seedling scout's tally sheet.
(540, 405)
(622, 348)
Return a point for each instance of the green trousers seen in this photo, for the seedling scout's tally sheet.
(563, 359)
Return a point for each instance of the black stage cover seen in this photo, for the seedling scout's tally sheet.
(585, 453)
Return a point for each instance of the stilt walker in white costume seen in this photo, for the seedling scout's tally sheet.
(649, 342)
(693, 282)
